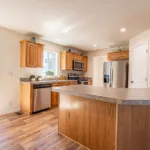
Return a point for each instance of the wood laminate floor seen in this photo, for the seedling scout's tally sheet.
(36, 132)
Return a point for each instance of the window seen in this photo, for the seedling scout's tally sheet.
(50, 63)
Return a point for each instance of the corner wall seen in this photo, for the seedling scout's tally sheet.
(92, 54)
(10, 71)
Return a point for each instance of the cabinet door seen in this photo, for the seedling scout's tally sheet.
(73, 82)
(69, 61)
(124, 55)
(77, 57)
(89, 82)
(54, 98)
(113, 56)
(84, 59)
(64, 83)
(39, 56)
(30, 55)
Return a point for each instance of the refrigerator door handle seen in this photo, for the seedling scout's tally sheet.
(111, 82)
(112, 76)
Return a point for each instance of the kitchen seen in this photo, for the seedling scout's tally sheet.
(47, 44)
(36, 92)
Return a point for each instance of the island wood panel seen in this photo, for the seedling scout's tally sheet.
(91, 123)
(133, 127)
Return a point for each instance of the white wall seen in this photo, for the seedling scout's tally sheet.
(10, 71)
(93, 54)
(140, 39)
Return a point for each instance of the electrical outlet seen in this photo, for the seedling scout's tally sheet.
(10, 103)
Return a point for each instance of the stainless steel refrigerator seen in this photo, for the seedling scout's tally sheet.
(116, 74)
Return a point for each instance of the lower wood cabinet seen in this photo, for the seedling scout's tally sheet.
(26, 95)
(55, 95)
(54, 98)
(90, 82)
(26, 98)
(73, 83)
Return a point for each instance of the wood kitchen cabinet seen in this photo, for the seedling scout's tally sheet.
(39, 56)
(54, 99)
(31, 54)
(55, 95)
(77, 57)
(85, 61)
(123, 55)
(113, 56)
(67, 58)
(74, 83)
(27, 95)
(66, 61)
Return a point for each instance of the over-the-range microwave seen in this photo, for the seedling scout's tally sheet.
(78, 65)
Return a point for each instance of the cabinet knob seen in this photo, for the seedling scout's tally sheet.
(131, 81)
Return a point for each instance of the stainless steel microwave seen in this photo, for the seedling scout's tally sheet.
(78, 65)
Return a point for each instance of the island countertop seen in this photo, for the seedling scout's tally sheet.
(112, 95)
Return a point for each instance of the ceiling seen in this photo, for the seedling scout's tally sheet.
(88, 21)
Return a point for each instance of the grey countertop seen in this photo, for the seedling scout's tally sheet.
(46, 81)
(113, 95)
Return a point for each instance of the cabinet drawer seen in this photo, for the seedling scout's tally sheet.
(55, 84)
(64, 83)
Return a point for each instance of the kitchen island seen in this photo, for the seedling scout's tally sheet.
(105, 118)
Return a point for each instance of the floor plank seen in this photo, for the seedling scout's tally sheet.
(35, 132)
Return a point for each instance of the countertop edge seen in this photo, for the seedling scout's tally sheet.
(103, 98)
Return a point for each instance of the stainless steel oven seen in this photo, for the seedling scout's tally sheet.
(78, 65)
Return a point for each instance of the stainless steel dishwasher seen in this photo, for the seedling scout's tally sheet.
(41, 97)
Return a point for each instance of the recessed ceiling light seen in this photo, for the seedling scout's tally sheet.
(94, 45)
(123, 30)
(66, 31)
(57, 39)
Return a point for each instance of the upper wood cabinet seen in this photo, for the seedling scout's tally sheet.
(67, 58)
(77, 57)
(113, 56)
(39, 56)
(66, 61)
(123, 55)
(85, 61)
(31, 54)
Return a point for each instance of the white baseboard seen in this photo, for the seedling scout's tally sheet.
(10, 111)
